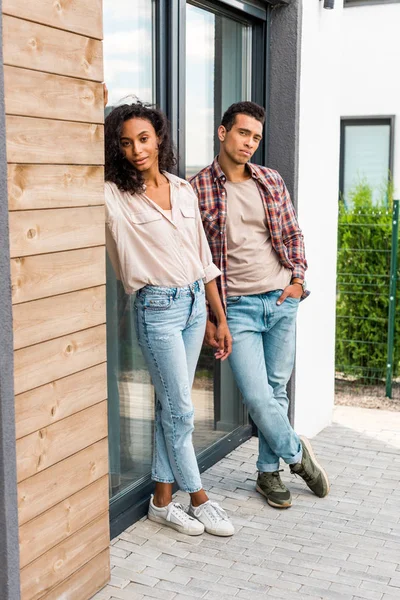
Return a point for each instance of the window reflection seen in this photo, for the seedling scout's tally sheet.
(128, 49)
(217, 74)
(128, 67)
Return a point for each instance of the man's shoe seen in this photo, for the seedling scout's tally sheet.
(311, 471)
(270, 485)
(213, 517)
(175, 516)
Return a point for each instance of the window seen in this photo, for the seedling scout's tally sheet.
(128, 66)
(366, 155)
(218, 73)
(224, 62)
(129, 49)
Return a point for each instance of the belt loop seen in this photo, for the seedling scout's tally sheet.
(177, 293)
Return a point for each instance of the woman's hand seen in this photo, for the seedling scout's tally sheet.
(218, 337)
(224, 340)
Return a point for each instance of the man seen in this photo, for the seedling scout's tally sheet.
(256, 242)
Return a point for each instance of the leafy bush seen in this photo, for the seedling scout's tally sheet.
(363, 274)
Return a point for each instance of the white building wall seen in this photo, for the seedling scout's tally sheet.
(370, 65)
(317, 211)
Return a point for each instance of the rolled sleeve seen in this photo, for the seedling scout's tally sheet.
(211, 272)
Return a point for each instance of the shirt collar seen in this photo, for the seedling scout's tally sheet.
(219, 174)
(177, 181)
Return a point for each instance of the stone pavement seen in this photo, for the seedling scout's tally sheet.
(343, 547)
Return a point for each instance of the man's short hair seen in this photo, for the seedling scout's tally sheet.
(251, 109)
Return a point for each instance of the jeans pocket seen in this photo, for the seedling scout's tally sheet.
(157, 303)
(233, 300)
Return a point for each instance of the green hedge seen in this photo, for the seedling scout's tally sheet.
(364, 244)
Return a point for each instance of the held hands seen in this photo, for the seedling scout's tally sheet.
(294, 290)
(219, 338)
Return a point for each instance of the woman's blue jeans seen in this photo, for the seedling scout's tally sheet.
(170, 327)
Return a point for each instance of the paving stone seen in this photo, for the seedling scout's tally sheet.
(343, 547)
(118, 581)
(147, 592)
(178, 588)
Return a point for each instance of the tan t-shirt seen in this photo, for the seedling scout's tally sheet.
(253, 265)
(149, 245)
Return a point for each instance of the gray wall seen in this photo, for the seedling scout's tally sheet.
(9, 550)
(283, 74)
(284, 92)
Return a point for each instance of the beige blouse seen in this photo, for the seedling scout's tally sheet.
(147, 246)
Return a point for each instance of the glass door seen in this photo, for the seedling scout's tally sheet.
(218, 73)
(143, 40)
(129, 67)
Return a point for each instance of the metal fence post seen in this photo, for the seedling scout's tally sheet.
(392, 298)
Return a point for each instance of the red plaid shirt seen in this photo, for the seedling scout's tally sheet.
(286, 236)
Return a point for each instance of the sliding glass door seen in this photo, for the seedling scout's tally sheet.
(194, 59)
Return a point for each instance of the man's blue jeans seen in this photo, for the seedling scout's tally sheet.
(170, 326)
(262, 361)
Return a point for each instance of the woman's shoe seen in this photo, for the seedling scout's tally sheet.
(213, 517)
(174, 515)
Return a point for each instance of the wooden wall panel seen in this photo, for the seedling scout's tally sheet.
(41, 492)
(36, 94)
(46, 275)
(60, 562)
(54, 186)
(50, 445)
(49, 141)
(59, 399)
(53, 70)
(55, 230)
(61, 521)
(43, 320)
(32, 46)
(79, 16)
(85, 582)
(42, 363)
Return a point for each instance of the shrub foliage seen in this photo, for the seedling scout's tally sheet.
(363, 276)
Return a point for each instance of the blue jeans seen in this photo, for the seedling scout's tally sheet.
(262, 361)
(170, 326)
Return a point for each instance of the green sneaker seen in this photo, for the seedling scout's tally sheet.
(311, 471)
(270, 485)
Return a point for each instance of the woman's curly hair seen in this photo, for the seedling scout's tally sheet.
(117, 169)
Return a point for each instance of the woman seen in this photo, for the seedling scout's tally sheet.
(156, 235)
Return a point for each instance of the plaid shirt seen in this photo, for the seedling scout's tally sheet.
(286, 236)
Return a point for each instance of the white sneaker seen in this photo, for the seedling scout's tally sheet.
(213, 517)
(174, 515)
